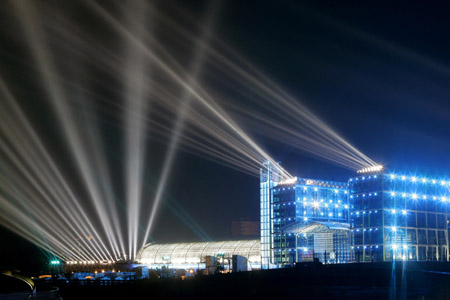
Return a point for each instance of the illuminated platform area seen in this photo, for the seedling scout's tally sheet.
(195, 255)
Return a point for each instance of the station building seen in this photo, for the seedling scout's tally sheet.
(375, 216)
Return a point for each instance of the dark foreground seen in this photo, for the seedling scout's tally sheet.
(350, 281)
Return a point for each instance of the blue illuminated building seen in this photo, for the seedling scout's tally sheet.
(376, 216)
(399, 216)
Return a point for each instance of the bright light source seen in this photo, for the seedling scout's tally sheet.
(405, 247)
(414, 196)
(424, 180)
(305, 219)
(404, 212)
(394, 247)
(288, 181)
(316, 204)
(55, 262)
(443, 182)
(394, 211)
(376, 168)
(433, 181)
(392, 176)
(394, 229)
(413, 179)
(403, 177)
(393, 194)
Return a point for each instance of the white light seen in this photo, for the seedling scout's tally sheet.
(405, 247)
(424, 197)
(315, 189)
(289, 181)
(335, 191)
(433, 181)
(443, 182)
(414, 179)
(346, 206)
(403, 195)
(305, 219)
(375, 168)
(394, 247)
(403, 177)
(424, 180)
(305, 188)
(404, 212)
(330, 214)
(392, 176)
(394, 229)
(394, 211)
(316, 204)
(305, 249)
(414, 196)
(393, 194)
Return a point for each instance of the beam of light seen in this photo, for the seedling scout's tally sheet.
(195, 91)
(186, 99)
(286, 105)
(39, 177)
(36, 37)
(194, 115)
(135, 103)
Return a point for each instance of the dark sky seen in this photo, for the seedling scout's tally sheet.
(375, 71)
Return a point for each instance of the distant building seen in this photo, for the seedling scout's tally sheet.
(245, 227)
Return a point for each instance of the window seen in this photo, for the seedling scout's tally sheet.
(441, 221)
(431, 220)
(441, 237)
(421, 220)
(376, 219)
(422, 236)
(411, 219)
(431, 237)
(411, 236)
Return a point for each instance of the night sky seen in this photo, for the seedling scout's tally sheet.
(377, 72)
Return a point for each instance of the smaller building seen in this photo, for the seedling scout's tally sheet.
(245, 227)
(193, 256)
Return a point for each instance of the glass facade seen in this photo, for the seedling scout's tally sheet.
(399, 217)
(388, 217)
(302, 203)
